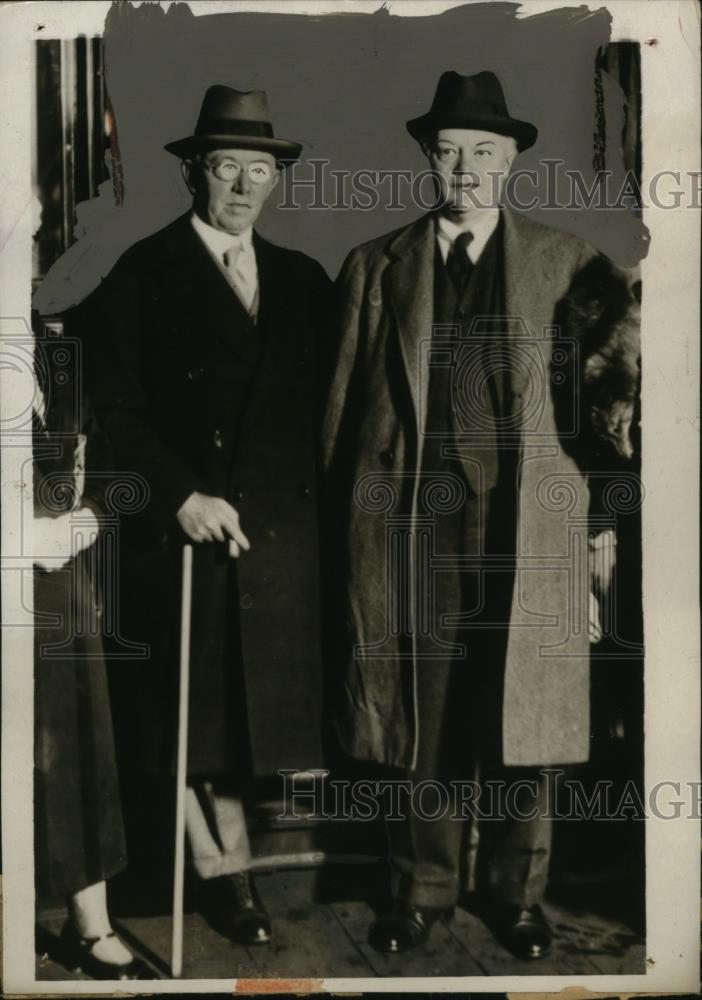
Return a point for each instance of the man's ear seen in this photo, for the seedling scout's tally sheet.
(186, 169)
(512, 153)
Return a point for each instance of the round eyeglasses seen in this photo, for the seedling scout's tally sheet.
(229, 170)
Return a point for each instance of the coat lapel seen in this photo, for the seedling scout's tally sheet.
(410, 279)
(275, 326)
(195, 279)
(271, 290)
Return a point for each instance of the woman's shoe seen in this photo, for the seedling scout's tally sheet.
(78, 955)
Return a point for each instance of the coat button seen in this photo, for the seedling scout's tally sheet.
(387, 457)
(238, 495)
(246, 601)
(304, 491)
(217, 439)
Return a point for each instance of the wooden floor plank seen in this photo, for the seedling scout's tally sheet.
(610, 946)
(317, 939)
(151, 936)
(630, 962)
(308, 942)
(49, 971)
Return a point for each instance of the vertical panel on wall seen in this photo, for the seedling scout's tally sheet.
(49, 157)
(82, 160)
(70, 140)
(98, 134)
(622, 60)
(68, 115)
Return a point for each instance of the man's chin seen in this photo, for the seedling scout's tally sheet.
(235, 220)
(469, 201)
(461, 208)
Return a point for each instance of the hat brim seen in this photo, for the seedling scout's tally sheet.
(283, 150)
(523, 132)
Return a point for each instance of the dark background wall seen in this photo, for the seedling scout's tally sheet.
(344, 85)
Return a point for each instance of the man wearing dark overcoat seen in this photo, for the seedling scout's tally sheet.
(203, 360)
(465, 610)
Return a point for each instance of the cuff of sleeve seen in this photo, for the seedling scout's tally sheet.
(604, 538)
(90, 503)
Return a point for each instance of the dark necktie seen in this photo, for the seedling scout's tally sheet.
(458, 263)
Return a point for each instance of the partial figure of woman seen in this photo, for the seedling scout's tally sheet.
(79, 834)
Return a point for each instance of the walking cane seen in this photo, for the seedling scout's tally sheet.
(182, 764)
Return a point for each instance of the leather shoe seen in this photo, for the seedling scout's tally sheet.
(525, 931)
(404, 926)
(233, 907)
(78, 955)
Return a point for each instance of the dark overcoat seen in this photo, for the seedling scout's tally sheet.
(196, 397)
(373, 443)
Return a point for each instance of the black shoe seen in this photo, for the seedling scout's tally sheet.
(404, 926)
(77, 955)
(524, 931)
(233, 907)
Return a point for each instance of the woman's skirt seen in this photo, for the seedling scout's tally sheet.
(79, 833)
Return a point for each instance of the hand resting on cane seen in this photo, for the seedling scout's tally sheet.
(208, 519)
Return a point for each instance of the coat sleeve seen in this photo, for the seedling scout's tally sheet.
(113, 337)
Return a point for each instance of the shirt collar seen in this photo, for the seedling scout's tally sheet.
(216, 240)
(482, 227)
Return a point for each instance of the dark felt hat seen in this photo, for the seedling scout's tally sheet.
(234, 119)
(475, 102)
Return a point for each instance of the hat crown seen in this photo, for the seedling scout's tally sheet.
(235, 119)
(482, 91)
(227, 104)
(471, 102)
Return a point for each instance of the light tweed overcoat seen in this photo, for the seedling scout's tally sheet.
(372, 436)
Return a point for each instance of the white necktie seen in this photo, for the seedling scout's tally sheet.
(241, 269)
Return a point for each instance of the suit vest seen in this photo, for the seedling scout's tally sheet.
(466, 383)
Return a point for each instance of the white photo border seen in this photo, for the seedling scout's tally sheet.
(668, 31)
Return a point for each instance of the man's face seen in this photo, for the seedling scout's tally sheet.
(471, 167)
(230, 186)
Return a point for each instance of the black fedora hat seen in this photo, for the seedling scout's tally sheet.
(475, 102)
(234, 119)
